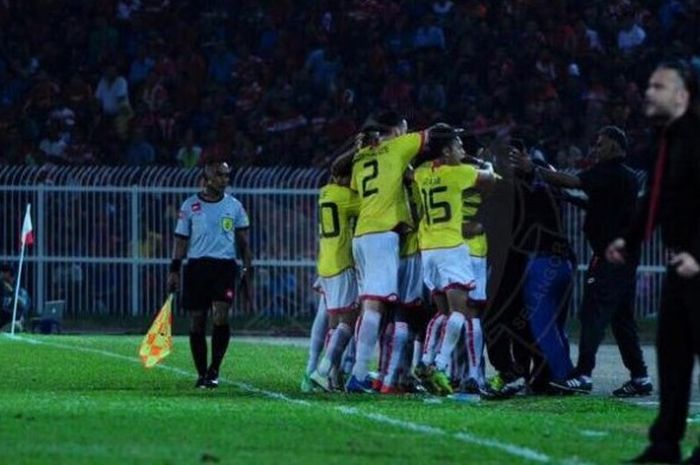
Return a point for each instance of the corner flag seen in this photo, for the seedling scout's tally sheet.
(26, 239)
(158, 342)
(27, 229)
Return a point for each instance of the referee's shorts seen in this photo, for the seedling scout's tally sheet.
(207, 280)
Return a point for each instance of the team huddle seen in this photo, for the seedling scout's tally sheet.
(398, 216)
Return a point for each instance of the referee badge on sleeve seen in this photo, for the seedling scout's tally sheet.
(227, 224)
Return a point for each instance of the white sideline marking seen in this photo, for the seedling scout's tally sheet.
(593, 434)
(518, 451)
(655, 403)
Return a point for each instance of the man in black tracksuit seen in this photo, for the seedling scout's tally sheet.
(673, 203)
(609, 291)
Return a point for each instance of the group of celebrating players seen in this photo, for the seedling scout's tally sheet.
(399, 216)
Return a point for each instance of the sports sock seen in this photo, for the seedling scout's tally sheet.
(398, 345)
(432, 338)
(460, 363)
(198, 346)
(417, 353)
(450, 336)
(220, 337)
(336, 346)
(318, 334)
(367, 335)
(475, 347)
(349, 356)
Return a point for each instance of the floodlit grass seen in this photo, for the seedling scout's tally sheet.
(87, 400)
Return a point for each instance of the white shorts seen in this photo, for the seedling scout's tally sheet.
(447, 268)
(479, 270)
(377, 261)
(410, 280)
(316, 286)
(339, 291)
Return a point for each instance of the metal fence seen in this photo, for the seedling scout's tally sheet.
(104, 237)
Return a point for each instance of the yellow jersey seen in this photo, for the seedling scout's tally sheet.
(337, 208)
(478, 246)
(441, 187)
(377, 177)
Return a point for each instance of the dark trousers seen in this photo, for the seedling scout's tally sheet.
(506, 329)
(608, 298)
(547, 287)
(677, 345)
(5, 317)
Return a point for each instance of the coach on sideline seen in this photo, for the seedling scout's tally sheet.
(609, 291)
(212, 231)
(674, 203)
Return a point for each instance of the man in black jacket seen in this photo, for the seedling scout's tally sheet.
(674, 203)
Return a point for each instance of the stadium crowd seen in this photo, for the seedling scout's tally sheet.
(142, 82)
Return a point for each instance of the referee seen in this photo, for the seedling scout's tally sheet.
(212, 232)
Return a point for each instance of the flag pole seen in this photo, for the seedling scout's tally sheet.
(17, 286)
(18, 282)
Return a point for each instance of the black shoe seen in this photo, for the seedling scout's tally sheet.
(694, 458)
(212, 379)
(576, 384)
(659, 453)
(634, 388)
(500, 387)
(201, 382)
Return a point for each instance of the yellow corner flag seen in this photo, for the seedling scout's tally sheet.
(158, 341)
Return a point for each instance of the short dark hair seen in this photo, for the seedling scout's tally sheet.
(212, 165)
(7, 268)
(440, 136)
(339, 170)
(686, 73)
(389, 119)
(616, 134)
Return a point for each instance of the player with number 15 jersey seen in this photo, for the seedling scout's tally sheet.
(440, 232)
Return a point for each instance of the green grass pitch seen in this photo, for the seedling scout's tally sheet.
(87, 400)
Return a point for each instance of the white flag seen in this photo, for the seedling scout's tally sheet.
(27, 229)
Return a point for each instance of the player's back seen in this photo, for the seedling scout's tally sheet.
(337, 208)
(441, 187)
(471, 205)
(377, 176)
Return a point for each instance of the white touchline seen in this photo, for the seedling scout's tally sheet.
(655, 403)
(518, 451)
(593, 434)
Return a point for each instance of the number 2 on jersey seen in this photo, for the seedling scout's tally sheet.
(374, 172)
(435, 211)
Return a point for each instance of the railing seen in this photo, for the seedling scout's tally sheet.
(104, 237)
